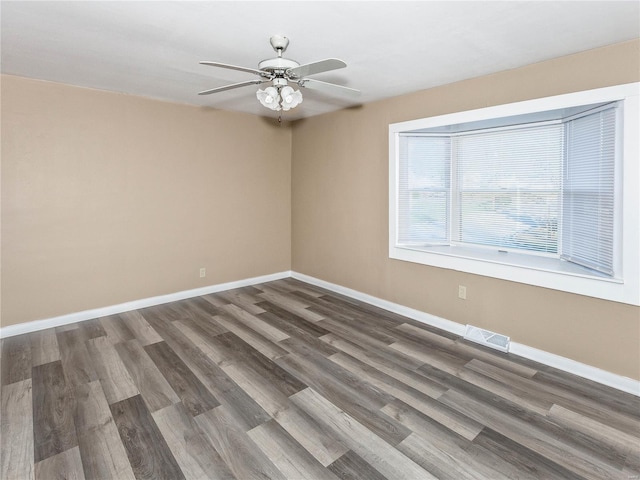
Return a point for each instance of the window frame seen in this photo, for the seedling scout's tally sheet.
(549, 273)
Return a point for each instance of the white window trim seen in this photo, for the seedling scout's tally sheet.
(625, 289)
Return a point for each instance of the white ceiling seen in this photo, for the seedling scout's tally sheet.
(152, 49)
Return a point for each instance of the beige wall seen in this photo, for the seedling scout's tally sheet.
(108, 198)
(340, 216)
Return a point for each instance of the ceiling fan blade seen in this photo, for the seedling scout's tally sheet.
(316, 67)
(240, 69)
(328, 87)
(232, 86)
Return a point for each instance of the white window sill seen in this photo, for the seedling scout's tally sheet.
(532, 270)
(514, 259)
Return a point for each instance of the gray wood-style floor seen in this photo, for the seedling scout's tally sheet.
(286, 380)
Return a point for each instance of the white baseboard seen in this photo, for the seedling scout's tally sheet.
(583, 370)
(619, 382)
(423, 317)
(613, 380)
(36, 325)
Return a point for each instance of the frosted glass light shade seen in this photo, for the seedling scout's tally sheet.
(290, 98)
(269, 98)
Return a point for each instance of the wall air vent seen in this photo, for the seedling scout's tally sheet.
(487, 338)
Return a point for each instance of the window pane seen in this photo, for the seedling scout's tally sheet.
(588, 202)
(514, 220)
(423, 190)
(509, 187)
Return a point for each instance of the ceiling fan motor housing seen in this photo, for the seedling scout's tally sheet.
(278, 65)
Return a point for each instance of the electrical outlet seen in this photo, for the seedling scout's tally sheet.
(203, 272)
(462, 292)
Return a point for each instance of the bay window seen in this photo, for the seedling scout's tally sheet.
(543, 192)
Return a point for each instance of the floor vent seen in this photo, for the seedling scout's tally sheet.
(487, 338)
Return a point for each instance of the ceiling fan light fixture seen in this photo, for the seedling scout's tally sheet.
(290, 98)
(280, 72)
(269, 98)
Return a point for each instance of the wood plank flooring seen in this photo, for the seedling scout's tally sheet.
(285, 380)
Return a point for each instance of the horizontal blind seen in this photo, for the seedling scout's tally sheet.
(509, 185)
(588, 197)
(423, 190)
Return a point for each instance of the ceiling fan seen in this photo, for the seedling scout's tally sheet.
(281, 72)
